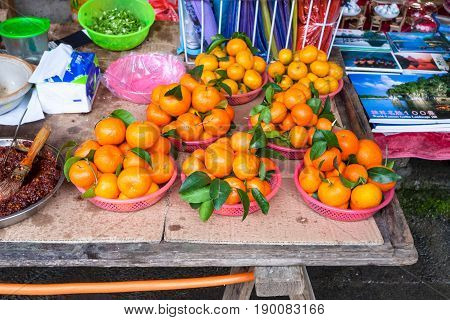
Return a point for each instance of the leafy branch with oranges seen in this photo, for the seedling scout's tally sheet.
(231, 171)
(343, 171)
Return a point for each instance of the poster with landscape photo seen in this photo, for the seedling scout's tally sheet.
(404, 99)
(413, 62)
(348, 39)
(418, 42)
(370, 61)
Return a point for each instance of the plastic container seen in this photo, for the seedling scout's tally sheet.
(134, 76)
(26, 37)
(116, 205)
(237, 210)
(191, 146)
(244, 98)
(140, 8)
(336, 213)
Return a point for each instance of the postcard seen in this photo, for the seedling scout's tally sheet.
(414, 62)
(370, 61)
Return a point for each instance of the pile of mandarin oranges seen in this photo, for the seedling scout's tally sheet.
(232, 159)
(123, 162)
(349, 174)
(232, 62)
(305, 67)
(195, 111)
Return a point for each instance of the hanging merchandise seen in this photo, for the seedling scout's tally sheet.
(166, 10)
(313, 15)
(192, 14)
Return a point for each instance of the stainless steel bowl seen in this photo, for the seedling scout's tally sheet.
(31, 210)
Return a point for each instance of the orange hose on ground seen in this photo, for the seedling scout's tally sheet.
(123, 286)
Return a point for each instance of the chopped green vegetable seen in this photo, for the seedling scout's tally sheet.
(116, 22)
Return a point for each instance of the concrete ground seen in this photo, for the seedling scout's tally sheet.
(425, 198)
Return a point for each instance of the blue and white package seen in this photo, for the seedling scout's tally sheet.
(69, 89)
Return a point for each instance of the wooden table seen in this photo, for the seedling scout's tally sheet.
(279, 268)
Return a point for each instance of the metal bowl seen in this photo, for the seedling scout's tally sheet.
(35, 207)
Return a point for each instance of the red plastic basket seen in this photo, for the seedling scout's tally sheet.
(136, 204)
(331, 95)
(237, 210)
(190, 146)
(244, 98)
(336, 213)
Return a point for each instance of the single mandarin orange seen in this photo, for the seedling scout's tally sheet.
(308, 54)
(276, 68)
(383, 186)
(235, 184)
(107, 158)
(259, 64)
(252, 79)
(205, 98)
(199, 154)
(219, 161)
(245, 59)
(189, 127)
(353, 172)
(162, 145)
(131, 159)
(319, 68)
(285, 82)
(134, 182)
(256, 183)
(84, 148)
(293, 97)
(226, 63)
(189, 82)
(348, 142)
(192, 164)
(287, 123)
(366, 196)
(298, 136)
(156, 115)
(333, 192)
(369, 153)
(302, 114)
(110, 131)
(142, 134)
(297, 70)
(278, 112)
(236, 45)
(324, 124)
(209, 62)
(310, 179)
(107, 186)
(171, 105)
(236, 72)
(156, 93)
(124, 147)
(83, 174)
(326, 161)
(240, 141)
(285, 56)
(245, 165)
(162, 168)
(217, 123)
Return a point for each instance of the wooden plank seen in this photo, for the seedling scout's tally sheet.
(239, 291)
(308, 292)
(279, 281)
(195, 255)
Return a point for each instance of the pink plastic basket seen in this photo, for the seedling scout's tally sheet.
(244, 98)
(237, 210)
(136, 204)
(336, 213)
(191, 146)
(288, 153)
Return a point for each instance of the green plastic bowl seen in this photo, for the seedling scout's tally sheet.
(140, 8)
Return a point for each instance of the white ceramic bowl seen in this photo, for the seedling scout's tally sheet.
(13, 81)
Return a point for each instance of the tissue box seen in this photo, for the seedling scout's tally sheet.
(66, 80)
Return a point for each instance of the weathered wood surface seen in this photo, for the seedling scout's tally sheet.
(279, 281)
(308, 292)
(239, 291)
(397, 249)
